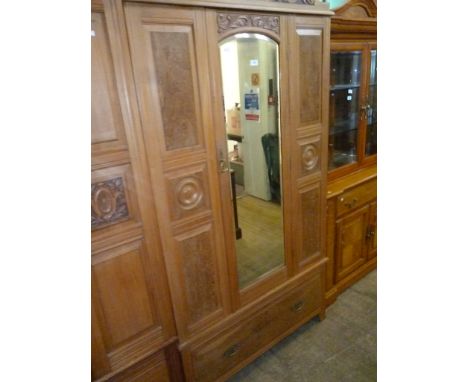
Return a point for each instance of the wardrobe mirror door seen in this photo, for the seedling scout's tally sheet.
(249, 63)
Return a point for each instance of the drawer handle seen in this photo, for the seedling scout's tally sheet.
(232, 351)
(298, 306)
(352, 203)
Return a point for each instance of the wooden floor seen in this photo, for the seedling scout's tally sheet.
(261, 248)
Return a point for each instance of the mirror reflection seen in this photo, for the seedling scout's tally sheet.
(249, 64)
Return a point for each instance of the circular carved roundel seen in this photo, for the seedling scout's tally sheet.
(104, 202)
(309, 157)
(189, 193)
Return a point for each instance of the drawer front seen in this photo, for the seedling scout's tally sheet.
(356, 197)
(215, 358)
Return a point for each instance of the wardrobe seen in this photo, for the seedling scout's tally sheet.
(176, 294)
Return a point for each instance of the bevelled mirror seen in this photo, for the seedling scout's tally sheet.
(249, 63)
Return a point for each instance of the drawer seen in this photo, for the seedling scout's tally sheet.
(356, 197)
(215, 358)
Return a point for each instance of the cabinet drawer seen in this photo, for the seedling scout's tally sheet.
(356, 197)
(215, 358)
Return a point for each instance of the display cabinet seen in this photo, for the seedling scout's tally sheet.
(352, 146)
(352, 142)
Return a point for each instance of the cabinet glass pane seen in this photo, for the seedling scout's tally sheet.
(345, 76)
(371, 134)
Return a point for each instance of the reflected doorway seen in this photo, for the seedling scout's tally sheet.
(249, 63)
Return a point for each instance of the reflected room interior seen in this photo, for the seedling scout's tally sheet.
(249, 64)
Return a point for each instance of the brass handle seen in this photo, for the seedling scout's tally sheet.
(232, 351)
(222, 166)
(351, 204)
(298, 306)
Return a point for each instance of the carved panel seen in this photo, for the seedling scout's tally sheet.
(229, 21)
(188, 193)
(173, 63)
(121, 288)
(196, 251)
(310, 203)
(108, 202)
(310, 71)
(310, 156)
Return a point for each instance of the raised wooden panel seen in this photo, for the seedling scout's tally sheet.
(106, 118)
(188, 192)
(113, 198)
(310, 68)
(351, 248)
(123, 296)
(310, 202)
(199, 273)
(151, 369)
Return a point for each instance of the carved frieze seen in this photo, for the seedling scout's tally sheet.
(229, 21)
(306, 2)
(108, 203)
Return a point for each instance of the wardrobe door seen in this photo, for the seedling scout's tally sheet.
(308, 84)
(131, 310)
(171, 66)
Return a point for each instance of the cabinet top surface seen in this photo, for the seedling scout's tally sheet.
(313, 7)
(340, 185)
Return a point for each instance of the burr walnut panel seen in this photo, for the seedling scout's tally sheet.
(199, 272)
(123, 297)
(310, 67)
(351, 242)
(107, 130)
(311, 221)
(174, 57)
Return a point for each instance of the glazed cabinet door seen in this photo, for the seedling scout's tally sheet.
(351, 243)
(131, 310)
(171, 67)
(308, 76)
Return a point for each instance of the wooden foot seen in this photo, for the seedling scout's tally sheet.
(322, 314)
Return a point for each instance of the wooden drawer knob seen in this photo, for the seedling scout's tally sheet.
(352, 203)
(298, 306)
(232, 351)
